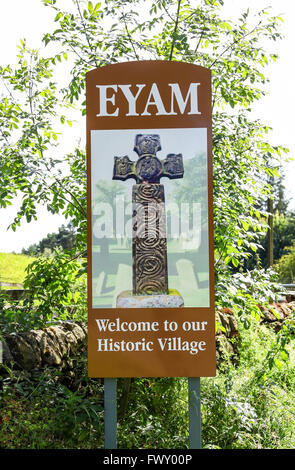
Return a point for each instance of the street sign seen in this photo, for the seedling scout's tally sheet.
(150, 221)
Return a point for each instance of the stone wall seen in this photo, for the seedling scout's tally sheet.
(54, 346)
(277, 313)
(226, 336)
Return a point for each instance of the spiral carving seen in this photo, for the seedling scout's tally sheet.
(147, 192)
(149, 240)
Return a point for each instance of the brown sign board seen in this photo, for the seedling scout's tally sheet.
(169, 102)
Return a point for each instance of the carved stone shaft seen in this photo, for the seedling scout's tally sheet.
(149, 243)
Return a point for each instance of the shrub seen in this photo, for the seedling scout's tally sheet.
(286, 265)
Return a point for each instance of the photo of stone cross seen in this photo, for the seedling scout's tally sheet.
(149, 241)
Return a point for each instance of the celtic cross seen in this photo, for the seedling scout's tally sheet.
(149, 242)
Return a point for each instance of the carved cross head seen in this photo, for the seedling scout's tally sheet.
(148, 168)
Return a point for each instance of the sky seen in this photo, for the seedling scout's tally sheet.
(30, 19)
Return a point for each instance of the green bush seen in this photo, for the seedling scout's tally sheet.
(250, 406)
(42, 413)
(56, 291)
(286, 265)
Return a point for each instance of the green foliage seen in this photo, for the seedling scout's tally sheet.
(284, 233)
(250, 406)
(283, 238)
(152, 406)
(241, 163)
(279, 352)
(286, 265)
(280, 202)
(55, 289)
(27, 117)
(42, 412)
(245, 292)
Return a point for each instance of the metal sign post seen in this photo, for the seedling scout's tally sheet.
(110, 413)
(194, 403)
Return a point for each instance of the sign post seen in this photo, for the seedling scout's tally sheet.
(194, 403)
(150, 239)
(110, 413)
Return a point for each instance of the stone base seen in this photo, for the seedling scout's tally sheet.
(171, 300)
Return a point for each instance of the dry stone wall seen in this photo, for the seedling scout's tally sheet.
(54, 346)
(227, 335)
(277, 313)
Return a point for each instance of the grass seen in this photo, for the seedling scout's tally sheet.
(43, 413)
(12, 267)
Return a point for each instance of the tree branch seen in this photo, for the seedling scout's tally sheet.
(85, 30)
(175, 29)
(230, 46)
(130, 39)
